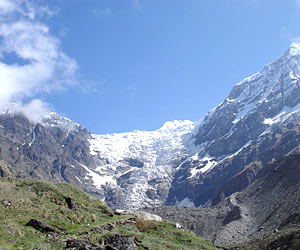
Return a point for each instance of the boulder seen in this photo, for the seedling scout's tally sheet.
(71, 204)
(42, 226)
(81, 244)
(139, 214)
(6, 203)
(120, 242)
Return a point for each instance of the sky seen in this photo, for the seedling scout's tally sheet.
(124, 65)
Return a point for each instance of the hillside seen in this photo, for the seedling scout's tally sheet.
(265, 212)
(40, 215)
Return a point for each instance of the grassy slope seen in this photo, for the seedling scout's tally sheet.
(45, 201)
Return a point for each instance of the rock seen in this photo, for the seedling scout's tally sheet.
(139, 214)
(6, 203)
(234, 214)
(177, 225)
(120, 242)
(107, 212)
(42, 226)
(108, 226)
(71, 204)
(81, 244)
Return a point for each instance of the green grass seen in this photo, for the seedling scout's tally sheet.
(41, 200)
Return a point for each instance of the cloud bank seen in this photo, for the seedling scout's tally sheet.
(41, 66)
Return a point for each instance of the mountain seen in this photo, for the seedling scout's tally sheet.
(129, 170)
(183, 163)
(257, 124)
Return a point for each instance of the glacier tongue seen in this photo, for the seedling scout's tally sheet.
(142, 162)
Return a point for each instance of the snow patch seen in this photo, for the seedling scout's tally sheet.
(98, 180)
(186, 202)
(206, 164)
(78, 179)
(268, 121)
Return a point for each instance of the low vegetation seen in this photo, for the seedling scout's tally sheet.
(77, 217)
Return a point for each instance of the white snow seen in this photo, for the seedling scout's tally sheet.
(78, 179)
(242, 112)
(168, 139)
(52, 119)
(159, 151)
(284, 114)
(207, 160)
(186, 202)
(268, 121)
(294, 49)
(98, 180)
(33, 136)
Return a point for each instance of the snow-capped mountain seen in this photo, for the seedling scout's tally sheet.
(182, 163)
(236, 138)
(128, 170)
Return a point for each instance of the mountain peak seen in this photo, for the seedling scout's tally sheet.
(294, 49)
(172, 125)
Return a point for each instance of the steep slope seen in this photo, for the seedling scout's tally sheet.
(52, 149)
(257, 124)
(264, 211)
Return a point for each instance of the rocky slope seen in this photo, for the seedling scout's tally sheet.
(52, 149)
(264, 210)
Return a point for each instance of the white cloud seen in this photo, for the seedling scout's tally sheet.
(6, 6)
(46, 66)
(34, 110)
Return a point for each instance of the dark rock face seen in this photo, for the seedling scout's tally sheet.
(120, 242)
(42, 226)
(41, 151)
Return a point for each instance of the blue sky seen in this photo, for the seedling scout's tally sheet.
(135, 64)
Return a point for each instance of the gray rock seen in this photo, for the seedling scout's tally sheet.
(139, 214)
(81, 244)
(42, 226)
(120, 242)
